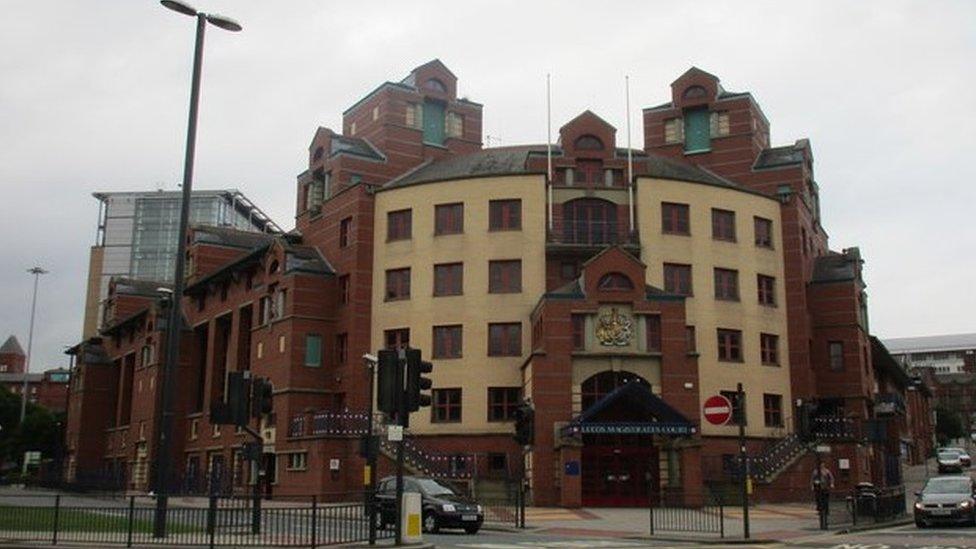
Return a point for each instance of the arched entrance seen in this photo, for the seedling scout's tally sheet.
(619, 469)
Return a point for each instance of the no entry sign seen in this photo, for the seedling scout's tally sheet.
(717, 410)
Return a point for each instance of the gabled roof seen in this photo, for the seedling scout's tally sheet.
(640, 399)
(587, 114)
(695, 71)
(354, 146)
(12, 347)
(484, 163)
(787, 155)
(433, 62)
(232, 238)
(145, 288)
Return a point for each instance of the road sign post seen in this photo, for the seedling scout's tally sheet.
(717, 410)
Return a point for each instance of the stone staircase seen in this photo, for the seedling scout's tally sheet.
(778, 457)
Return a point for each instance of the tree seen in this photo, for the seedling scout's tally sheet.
(40, 431)
(948, 425)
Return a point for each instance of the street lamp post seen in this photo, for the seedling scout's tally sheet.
(37, 272)
(174, 323)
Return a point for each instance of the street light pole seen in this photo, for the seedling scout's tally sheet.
(174, 324)
(37, 272)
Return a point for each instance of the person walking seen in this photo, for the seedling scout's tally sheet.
(822, 482)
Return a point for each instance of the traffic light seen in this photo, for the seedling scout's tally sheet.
(389, 381)
(524, 424)
(416, 382)
(262, 400)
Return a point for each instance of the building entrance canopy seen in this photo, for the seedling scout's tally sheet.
(631, 409)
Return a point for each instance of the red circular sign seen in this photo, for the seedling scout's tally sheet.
(717, 410)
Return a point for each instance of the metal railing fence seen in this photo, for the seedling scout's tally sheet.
(704, 514)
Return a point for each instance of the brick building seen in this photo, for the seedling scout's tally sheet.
(48, 389)
(615, 292)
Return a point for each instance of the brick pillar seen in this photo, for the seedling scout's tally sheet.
(571, 492)
(691, 474)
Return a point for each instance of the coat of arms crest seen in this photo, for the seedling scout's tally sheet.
(614, 329)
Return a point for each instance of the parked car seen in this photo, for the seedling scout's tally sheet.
(963, 456)
(948, 461)
(441, 506)
(946, 499)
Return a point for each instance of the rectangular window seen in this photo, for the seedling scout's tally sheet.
(764, 232)
(397, 339)
(674, 218)
(677, 279)
(730, 345)
(766, 290)
(653, 333)
(398, 225)
(773, 410)
(447, 341)
(446, 406)
(769, 349)
(691, 340)
(313, 350)
(697, 130)
(579, 332)
(719, 124)
(505, 215)
(726, 284)
(836, 350)
(738, 408)
(344, 289)
(449, 218)
(344, 227)
(505, 276)
(414, 115)
(505, 339)
(397, 284)
(502, 402)
(341, 348)
(723, 225)
(448, 279)
(298, 461)
(674, 131)
(455, 124)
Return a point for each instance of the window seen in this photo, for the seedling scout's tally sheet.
(298, 461)
(766, 290)
(697, 131)
(281, 343)
(397, 339)
(677, 279)
(448, 279)
(726, 284)
(769, 349)
(414, 115)
(723, 225)
(449, 219)
(146, 358)
(344, 289)
(434, 123)
(397, 284)
(455, 124)
(505, 215)
(674, 218)
(435, 85)
(764, 232)
(615, 281)
(674, 130)
(313, 350)
(446, 406)
(653, 333)
(733, 397)
(194, 429)
(718, 123)
(691, 342)
(836, 351)
(341, 348)
(502, 402)
(352, 129)
(588, 143)
(505, 339)
(505, 276)
(569, 270)
(376, 113)
(730, 345)
(447, 341)
(259, 350)
(344, 227)
(398, 225)
(773, 410)
(579, 332)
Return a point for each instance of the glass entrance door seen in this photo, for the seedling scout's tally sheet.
(619, 475)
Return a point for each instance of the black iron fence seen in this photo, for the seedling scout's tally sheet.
(866, 504)
(701, 514)
(211, 521)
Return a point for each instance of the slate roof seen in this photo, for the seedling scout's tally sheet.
(131, 286)
(9, 377)
(12, 347)
(837, 267)
(787, 155)
(883, 360)
(225, 236)
(355, 146)
(949, 342)
(298, 258)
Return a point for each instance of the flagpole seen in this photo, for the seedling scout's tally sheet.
(549, 146)
(630, 159)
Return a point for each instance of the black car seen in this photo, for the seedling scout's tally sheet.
(946, 499)
(442, 507)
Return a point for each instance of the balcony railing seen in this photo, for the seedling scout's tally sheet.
(591, 233)
(328, 423)
(889, 404)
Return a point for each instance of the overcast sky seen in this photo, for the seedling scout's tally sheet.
(94, 94)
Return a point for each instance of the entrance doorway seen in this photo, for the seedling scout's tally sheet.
(621, 471)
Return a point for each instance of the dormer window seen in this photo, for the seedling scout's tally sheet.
(588, 143)
(318, 154)
(615, 281)
(435, 85)
(694, 92)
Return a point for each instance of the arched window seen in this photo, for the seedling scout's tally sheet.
(600, 385)
(615, 281)
(590, 221)
(435, 85)
(694, 92)
(588, 143)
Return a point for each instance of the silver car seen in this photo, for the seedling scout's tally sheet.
(949, 461)
(946, 500)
